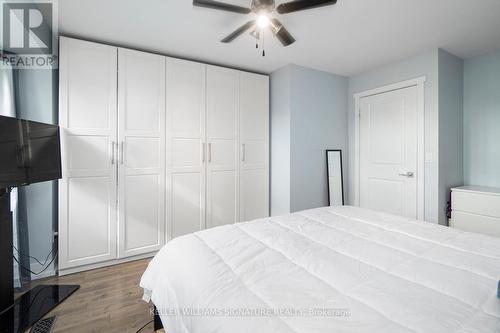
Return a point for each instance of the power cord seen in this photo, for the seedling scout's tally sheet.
(38, 261)
(34, 273)
(143, 327)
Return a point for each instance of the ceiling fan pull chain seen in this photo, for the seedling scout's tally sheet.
(263, 45)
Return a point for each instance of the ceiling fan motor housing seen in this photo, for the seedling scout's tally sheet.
(260, 5)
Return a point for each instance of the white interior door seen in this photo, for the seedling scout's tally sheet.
(254, 145)
(185, 147)
(388, 152)
(141, 133)
(87, 116)
(222, 146)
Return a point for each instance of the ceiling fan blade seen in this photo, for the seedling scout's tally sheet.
(221, 6)
(295, 6)
(238, 31)
(281, 33)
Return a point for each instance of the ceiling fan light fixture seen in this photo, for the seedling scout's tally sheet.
(255, 34)
(263, 21)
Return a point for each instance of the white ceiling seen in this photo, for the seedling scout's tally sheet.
(348, 38)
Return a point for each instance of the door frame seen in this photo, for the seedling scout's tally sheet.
(419, 83)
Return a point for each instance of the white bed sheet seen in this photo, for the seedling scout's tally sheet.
(381, 273)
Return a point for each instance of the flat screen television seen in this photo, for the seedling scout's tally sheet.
(30, 152)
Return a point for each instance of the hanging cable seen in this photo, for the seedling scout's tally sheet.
(143, 327)
(38, 261)
(35, 273)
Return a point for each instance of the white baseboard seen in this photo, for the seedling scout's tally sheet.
(73, 270)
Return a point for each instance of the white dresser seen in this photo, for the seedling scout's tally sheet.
(476, 209)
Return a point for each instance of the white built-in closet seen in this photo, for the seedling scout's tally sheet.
(154, 148)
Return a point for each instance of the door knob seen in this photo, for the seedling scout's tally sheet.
(407, 174)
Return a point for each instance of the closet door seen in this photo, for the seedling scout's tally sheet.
(222, 146)
(185, 147)
(87, 116)
(254, 145)
(141, 133)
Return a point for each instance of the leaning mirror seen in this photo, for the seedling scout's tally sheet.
(335, 177)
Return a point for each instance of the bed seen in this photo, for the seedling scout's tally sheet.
(334, 269)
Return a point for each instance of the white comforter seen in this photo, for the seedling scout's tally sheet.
(358, 270)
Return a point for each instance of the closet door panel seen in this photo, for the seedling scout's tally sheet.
(221, 197)
(222, 146)
(141, 123)
(254, 145)
(186, 154)
(222, 154)
(254, 201)
(87, 116)
(90, 232)
(186, 204)
(222, 103)
(142, 212)
(143, 153)
(89, 78)
(186, 147)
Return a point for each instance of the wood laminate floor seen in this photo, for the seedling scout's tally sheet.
(109, 300)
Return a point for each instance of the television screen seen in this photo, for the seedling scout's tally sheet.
(30, 152)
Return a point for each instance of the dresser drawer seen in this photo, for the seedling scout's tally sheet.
(475, 223)
(476, 203)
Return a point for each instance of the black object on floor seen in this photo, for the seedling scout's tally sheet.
(33, 305)
(44, 326)
(158, 325)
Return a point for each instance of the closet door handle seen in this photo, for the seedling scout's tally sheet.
(122, 153)
(210, 153)
(203, 147)
(408, 174)
(243, 152)
(112, 152)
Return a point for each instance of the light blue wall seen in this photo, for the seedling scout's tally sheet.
(462, 126)
(38, 91)
(451, 171)
(425, 64)
(280, 141)
(482, 120)
(308, 116)
(319, 122)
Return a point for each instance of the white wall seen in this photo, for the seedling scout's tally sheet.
(424, 64)
(450, 128)
(308, 116)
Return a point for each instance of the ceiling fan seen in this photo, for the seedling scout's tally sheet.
(263, 9)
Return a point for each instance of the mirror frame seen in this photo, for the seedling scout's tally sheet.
(328, 175)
